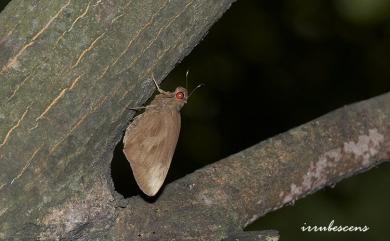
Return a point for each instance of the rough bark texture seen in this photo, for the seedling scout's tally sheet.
(266, 235)
(69, 70)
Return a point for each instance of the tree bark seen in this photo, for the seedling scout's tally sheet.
(70, 70)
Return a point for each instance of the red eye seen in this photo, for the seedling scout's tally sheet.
(180, 95)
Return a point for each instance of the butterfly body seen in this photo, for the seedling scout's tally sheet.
(150, 140)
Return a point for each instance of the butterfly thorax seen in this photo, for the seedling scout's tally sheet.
(170, 100)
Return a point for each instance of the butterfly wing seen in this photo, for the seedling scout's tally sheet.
(149, 143)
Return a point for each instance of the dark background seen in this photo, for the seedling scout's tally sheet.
(269, 66)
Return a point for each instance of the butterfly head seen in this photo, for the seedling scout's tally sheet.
(181, 95)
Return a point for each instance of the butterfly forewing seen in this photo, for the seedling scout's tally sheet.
(149, 146)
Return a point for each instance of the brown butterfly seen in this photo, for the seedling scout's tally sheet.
(150, 140)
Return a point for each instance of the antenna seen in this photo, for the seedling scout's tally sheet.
(187, 72)
(200, 85)
(197, 87)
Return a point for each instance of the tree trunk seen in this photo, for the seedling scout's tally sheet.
(69, 70)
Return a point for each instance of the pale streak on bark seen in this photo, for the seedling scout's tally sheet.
(62, 93)
(55, 101)
(81, 120)
(74, 22)
(27, 165)
(18, 86)
(13, 60)
(150, 44)
(139, 32)
(51, 20)
(122, 14)
(14, 127)
(157, 35)
(74, 82)
(88, 49)
(104, 72)
(150, 68)
(116, 18)
(2, 211)
(159, 57)
(134, 38)
(97, 3)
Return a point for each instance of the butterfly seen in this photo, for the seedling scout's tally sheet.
(150, 140)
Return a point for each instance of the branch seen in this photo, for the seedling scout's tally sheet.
(221, 199)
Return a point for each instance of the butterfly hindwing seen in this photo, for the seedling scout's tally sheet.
(149, 144)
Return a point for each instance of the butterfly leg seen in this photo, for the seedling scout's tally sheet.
(141, 107)
(157, 86)
(138, 108)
